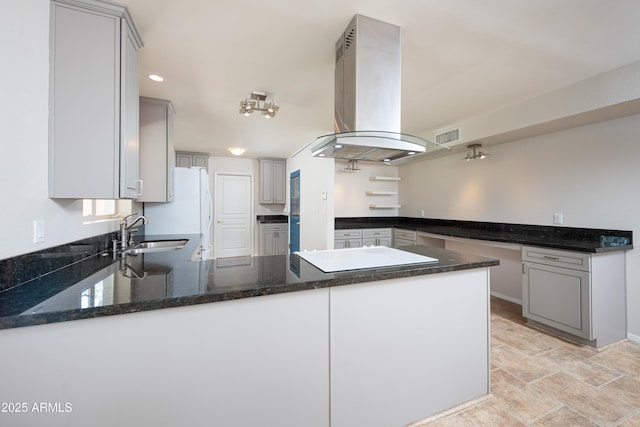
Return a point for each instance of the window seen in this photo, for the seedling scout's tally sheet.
(101, 210)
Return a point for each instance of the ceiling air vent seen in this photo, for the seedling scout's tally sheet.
(448, 137)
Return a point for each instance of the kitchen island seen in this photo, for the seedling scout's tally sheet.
(263, 340)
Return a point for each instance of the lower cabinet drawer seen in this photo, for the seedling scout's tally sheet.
(403, 242)
(347, 234)
(376, 233)
(558, 258)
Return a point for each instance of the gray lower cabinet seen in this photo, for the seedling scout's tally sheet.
(376, 237)
(272, 181)
(356, 237)
(351, 238)
(157, 155)
(575, 293)
(187, 159)
(403, 237)
(274, 239)
(93, 111)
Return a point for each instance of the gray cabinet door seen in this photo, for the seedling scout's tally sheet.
(266, 181)
(282, 241)
(273, 181)
(558, 297)
(93, 111)
(279, 181)
(200, 160)
(130, 184)
(183, 160)
(274, 239)
(157, 156)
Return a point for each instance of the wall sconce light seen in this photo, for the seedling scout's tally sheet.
(248, 106)
(474, 152)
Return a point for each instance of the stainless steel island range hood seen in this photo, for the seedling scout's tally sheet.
(367, 97)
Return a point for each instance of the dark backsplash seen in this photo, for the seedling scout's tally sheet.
(570, 238)
(24, 268)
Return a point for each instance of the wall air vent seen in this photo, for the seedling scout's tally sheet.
(448, 137)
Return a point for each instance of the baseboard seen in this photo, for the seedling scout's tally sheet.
(632, 337)
(506, 297)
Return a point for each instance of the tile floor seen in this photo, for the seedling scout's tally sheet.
(540, 380)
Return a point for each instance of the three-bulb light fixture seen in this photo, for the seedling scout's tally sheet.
(248, 106)
(474, 152)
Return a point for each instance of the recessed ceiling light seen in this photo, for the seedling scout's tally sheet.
(236, 151)
(156, 77)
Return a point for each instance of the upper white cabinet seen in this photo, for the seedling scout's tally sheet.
(157, 154)
(93, 101)
(273, 181)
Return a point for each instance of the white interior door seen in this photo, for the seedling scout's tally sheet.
(232, 232)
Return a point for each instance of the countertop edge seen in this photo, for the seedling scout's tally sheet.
(366, 276)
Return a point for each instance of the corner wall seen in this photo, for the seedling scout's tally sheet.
(316, 212)
(351, 199)
(589, 173)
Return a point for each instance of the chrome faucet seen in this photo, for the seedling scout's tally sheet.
(126, 231)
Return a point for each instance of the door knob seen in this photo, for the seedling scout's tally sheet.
(219, 221)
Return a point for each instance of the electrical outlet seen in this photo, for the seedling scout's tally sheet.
(38, 231)
(558, 218)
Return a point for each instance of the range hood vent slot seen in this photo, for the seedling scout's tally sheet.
(349, 38)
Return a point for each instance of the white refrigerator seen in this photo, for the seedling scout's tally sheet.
(190, 212)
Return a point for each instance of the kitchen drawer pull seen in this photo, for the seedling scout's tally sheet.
(553, 258)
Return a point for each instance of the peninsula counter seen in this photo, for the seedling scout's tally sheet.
(255, 341)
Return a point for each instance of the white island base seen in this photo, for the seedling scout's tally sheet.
(405, 349)
(383, 353)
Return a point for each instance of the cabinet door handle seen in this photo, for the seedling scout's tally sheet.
(139, 181)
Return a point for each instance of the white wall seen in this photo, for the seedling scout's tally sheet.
(350, 189)
(24, 84)
(316, 213)
(589, 173)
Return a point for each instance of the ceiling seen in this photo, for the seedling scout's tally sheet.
(459, 58)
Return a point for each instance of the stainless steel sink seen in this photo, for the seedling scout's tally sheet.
(156, 246)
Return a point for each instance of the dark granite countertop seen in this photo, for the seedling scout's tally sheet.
(103, 286)
(272, 219)
(567, 238)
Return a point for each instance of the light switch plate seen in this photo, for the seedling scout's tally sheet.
(558, 218)
(38, 231)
